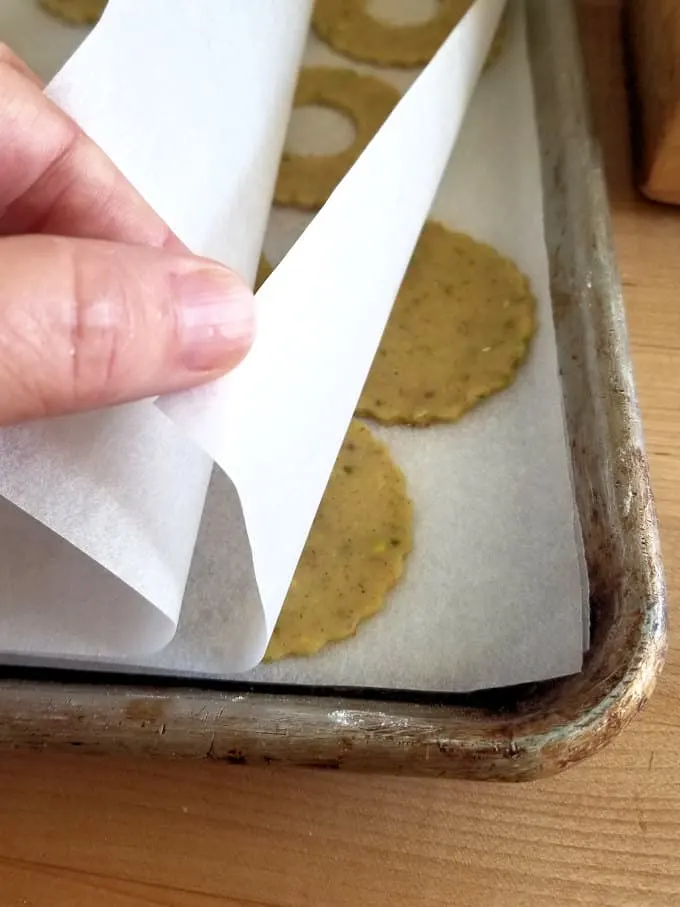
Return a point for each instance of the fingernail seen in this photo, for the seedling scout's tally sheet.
(216, 319)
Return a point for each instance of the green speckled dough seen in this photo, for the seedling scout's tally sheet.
(79, 12)
(355, 552)
(348, 27)
(307, 180)
(459, 330)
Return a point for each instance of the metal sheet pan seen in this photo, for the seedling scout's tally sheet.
(511, 734)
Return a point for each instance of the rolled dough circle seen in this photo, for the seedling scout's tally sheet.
(459, 330)
(355, 552)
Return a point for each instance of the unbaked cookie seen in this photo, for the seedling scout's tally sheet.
(355, 552)
(307, 180)
(348, 27)
(459, 330)
(79, 12)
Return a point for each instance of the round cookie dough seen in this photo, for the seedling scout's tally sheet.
(355, 552)
(79, 12)
(459, 331)
(348, 27)
(307, 180)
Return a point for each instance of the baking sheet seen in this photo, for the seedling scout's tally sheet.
(495, 569)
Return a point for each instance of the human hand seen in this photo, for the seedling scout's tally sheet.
(99, 302)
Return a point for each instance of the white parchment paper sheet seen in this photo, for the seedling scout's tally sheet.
(492, 593)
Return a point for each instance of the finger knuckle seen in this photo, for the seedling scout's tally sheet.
(6, 53)
(9, 60)
(101, 325)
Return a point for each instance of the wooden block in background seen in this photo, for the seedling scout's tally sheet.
(653, 37)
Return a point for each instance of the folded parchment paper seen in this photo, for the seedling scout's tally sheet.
(492, 593)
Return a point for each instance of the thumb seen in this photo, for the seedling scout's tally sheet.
(86, 323)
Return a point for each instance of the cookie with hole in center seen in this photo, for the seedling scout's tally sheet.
(348, 27)
(355, 553)
(307, 180)
(459, 331)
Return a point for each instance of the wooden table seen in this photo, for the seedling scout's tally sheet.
(114, 833)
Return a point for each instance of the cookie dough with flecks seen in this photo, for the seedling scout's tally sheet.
(459, 331)
(355, 552)
(307, 180)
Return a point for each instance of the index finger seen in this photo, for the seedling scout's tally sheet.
(56, 180)
(9, 58)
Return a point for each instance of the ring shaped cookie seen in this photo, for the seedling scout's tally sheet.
(350, 29)
(307, 180)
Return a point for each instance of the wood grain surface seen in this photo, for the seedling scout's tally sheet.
(121, 833)
(653, 31)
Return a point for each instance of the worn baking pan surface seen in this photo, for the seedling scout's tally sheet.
(517, 733)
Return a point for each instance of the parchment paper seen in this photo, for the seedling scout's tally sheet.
(493, 593)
